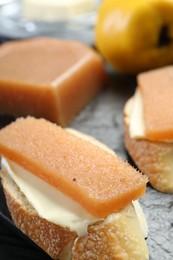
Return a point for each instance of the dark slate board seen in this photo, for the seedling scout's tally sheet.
(102, 118)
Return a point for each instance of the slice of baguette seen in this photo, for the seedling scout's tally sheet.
(118, 236)
(52, 238)
(153, 158)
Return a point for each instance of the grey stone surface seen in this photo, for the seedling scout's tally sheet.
(102, 118)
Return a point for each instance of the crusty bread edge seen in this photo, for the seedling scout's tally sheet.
(117, 237)
(153, 158)
(104, 238)
(52, 238)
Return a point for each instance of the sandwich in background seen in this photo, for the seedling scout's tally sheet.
(148, 124)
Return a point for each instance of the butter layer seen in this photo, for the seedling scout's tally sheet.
(50, 203)
(57, 208)
(137, 128)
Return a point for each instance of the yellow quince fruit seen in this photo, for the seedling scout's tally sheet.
(135, 35)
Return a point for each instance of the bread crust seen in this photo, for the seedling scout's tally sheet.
(52, 238)
(153, 158)
(117, 239)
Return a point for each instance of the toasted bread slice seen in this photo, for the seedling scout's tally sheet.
(118, 236)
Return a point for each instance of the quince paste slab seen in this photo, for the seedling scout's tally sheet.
(49, 78)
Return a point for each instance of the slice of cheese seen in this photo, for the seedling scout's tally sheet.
(49, 78)
(99, 181)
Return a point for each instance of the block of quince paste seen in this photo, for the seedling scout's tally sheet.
(48, 78)
(156, 88)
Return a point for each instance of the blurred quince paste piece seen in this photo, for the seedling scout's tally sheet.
(49, 78)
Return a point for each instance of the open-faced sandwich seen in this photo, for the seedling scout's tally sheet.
(148, 122)
(71, 194)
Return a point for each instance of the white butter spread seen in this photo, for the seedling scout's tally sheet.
(141, 217)
(49, 203)
(136, 127)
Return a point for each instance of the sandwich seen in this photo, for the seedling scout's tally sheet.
(71, 194)
(148, 127)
